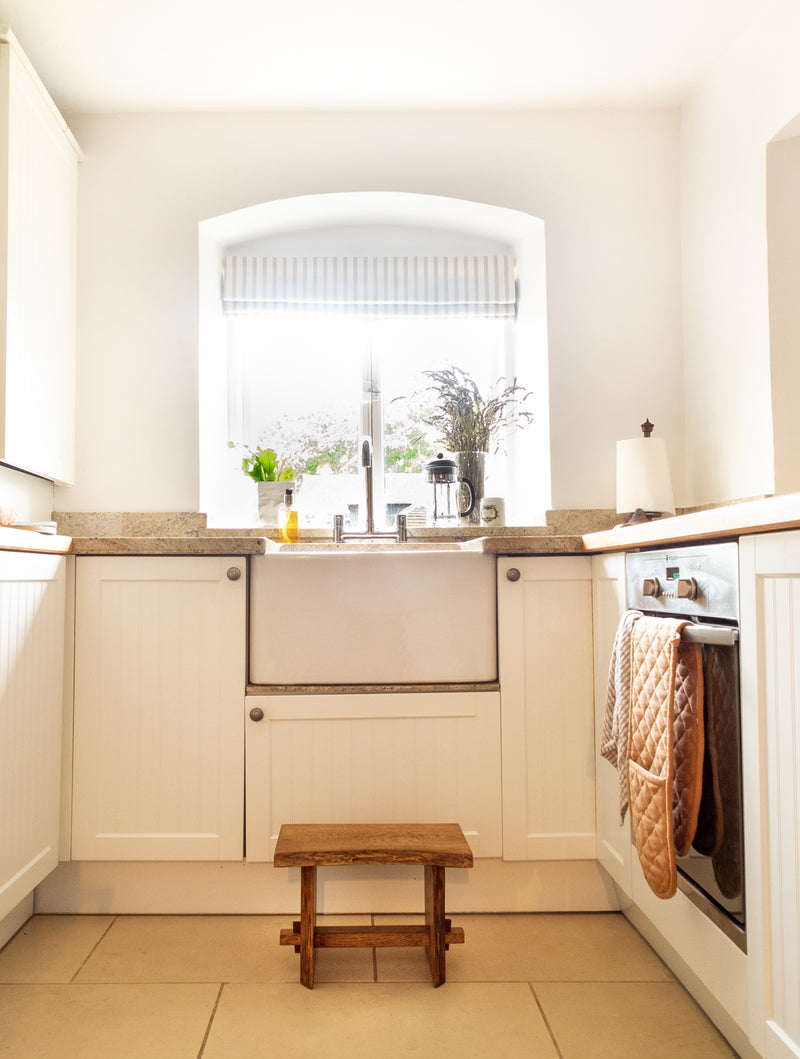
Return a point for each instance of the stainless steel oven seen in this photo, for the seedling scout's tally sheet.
(701, 584)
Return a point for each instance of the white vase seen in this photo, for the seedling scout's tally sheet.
(270, 498)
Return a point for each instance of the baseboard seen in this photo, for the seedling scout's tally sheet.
(241, 888)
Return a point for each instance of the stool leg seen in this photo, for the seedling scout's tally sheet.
(434, 919)
(308, 922)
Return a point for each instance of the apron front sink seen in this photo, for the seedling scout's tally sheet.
(389, 617)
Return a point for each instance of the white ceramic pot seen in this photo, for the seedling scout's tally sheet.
(270, 498)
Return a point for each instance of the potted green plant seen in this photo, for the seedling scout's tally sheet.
(271, 475)
(470, 425)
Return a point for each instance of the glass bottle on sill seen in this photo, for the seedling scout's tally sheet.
(287, 519)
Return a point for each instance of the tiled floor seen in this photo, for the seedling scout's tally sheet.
(220, 987)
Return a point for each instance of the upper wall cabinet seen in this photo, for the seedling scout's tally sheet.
(38, 184)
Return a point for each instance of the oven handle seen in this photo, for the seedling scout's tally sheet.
(719, 635)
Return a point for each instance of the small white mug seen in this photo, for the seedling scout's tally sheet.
(493, 511)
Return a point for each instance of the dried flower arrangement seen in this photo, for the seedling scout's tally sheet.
(467, 421)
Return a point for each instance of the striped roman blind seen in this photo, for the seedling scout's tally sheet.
(465, 285)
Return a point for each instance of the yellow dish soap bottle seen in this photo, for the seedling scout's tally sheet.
(287, 519)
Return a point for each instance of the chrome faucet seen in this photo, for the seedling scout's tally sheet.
(401, 535)
(366, 463)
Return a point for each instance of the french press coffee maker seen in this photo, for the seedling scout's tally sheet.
(442, 474)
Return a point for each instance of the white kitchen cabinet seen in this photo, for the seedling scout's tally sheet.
(770, 683)
(31, 670)
(391, 757)
(546, 687)
(159, 708)
(608, 603)
(38, 209)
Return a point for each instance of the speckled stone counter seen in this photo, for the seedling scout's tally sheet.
(566, 533)
(555, 544)
(187, 533)
(365, 689)
(168, 545)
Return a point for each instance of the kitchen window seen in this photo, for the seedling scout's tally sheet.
(304, 350)
(311, 387)
(325, 351)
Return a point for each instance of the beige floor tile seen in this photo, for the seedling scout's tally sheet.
(104, 1021)
(498, 1020)
(215, 949)
(531, 948)
(51, 948)
(628, 1020)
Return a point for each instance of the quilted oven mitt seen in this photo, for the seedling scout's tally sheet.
(651, 745)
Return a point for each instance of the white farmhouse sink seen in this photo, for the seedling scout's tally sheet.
(373, 617)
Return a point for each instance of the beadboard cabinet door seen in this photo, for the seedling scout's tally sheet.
(159, 708)
(393, 757)
(608, 604)
(38, 211)
(770, 683)
(31, 671)
(547, 704)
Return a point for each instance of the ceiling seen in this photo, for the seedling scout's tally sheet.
(162, 55)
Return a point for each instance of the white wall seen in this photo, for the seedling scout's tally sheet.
(783, 239)
(744, 102)
(29, 498)
(606, 184)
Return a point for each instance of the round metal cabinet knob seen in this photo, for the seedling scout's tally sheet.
(234, 573)
(256, 714)
(687, 588)
(513, 574)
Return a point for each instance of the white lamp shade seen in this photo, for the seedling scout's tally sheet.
(643, 478)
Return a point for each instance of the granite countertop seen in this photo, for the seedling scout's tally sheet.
(730, 521)
(496, 545)
(169, 545)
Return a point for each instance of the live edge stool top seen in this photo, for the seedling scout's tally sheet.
(436, 846)
(317, 844)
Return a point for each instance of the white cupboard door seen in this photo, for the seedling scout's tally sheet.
(608, 603)
(159, 693)
(770, 662)
(547, 705)
(404, 757)
(31, 667)
(38, 166)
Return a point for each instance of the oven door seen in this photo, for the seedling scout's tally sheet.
(712, 873)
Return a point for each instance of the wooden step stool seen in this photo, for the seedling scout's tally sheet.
(436, 846)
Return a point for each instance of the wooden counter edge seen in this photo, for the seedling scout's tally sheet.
(25, 540)
(735, 520)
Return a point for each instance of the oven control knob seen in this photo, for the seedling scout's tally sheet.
(651, 587)
(687, 588)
